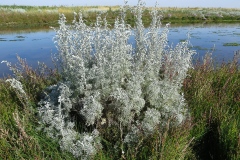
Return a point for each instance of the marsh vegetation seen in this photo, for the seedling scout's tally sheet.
(45, 16)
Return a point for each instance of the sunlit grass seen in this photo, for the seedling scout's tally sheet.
(213, 95)
(12, 16)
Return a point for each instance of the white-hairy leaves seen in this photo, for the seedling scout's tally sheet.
(19, 90)
(92, 108)
(54, 112)
(134, 86)
(17, 86)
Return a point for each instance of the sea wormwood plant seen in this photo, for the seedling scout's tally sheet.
(108, 81)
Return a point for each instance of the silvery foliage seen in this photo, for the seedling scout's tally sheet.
(133, 86)
(54, 112)
(15, 70)
(17, 86)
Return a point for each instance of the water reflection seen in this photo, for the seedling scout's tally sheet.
(33, 46)
(37, 45)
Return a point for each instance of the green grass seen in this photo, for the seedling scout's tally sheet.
(231, 44)
(42, 16)
(213, 96)
(212, 132)
(19, 137)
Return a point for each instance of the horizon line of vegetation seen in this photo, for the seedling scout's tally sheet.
(13, 16)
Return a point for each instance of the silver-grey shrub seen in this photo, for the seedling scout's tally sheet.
(108, 81)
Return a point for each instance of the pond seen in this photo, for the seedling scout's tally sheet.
(38, 45)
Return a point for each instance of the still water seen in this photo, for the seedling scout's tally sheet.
(38, 45)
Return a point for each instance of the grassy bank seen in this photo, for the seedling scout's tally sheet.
(19, 137)
(32, 16)
(213, 96)
(212, 132)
